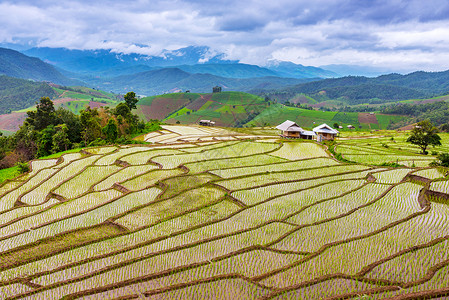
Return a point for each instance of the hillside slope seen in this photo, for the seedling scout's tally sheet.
(231, 109)
(16, 64)
(169, 80)
(385, 88)
(278, 113)
(20, 96)
(16, 94)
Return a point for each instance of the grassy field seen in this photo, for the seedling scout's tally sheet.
(278, 113)
(209, 213)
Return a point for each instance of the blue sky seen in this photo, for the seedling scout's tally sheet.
(395, 34)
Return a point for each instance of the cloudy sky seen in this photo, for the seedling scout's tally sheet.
(399, 34)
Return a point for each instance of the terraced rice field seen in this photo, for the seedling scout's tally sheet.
(181, 134)
(391, 148)
(237, 219)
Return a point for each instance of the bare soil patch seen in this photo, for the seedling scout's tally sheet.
(318, 105)
(367, 118)
(94, 104)
(408, 127)
(198, 103)
(12, 121)
(64, 100)
(162, 107)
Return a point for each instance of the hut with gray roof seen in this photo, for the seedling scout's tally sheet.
(290, 129)
(325, 132)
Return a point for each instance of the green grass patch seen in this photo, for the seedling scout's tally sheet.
(227, 109)
(59, 154)
(206, 105)
(58, 243)
(9, 173)
(385, 120)
(178, 113)
(277, 113)
(7, 132)
(350, 118)
(236, 98)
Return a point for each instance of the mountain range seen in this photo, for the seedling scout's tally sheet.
(151, 75)
(358, 89)
(192, 59)
(198, 69)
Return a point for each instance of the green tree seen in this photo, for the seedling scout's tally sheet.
(111, 131)
(45, 141)
(423, 135)
(123, 110)
(90, 126)
(131, 100)
(73, 124)
(61, 141)
(43, 116)
(24, 142)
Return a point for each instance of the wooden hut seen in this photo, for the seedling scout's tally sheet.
(325, 132)
(290, 129)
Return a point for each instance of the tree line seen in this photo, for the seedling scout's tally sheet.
(48, 130)
(436, 112)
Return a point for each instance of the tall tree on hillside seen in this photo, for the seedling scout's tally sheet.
(24, 142)
(111, 131)
(43, 116)
(45, 141)
(61, 141)
(90, 126)
(131, 100)
(72, 122)
(423, 135)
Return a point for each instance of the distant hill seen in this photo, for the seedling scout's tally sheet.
(229, 70)
(16, 94)
(16, 64)
(355, 70)
(385, 88)
(289, 69)
(168, 80)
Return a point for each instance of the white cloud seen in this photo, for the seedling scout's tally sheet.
(405, 34)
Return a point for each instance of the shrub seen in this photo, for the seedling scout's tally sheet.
(442, 160)
(391, 164)
(23, 167)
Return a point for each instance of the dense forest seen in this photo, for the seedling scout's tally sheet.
(48, 130)
(436, 112)
(15, 94)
